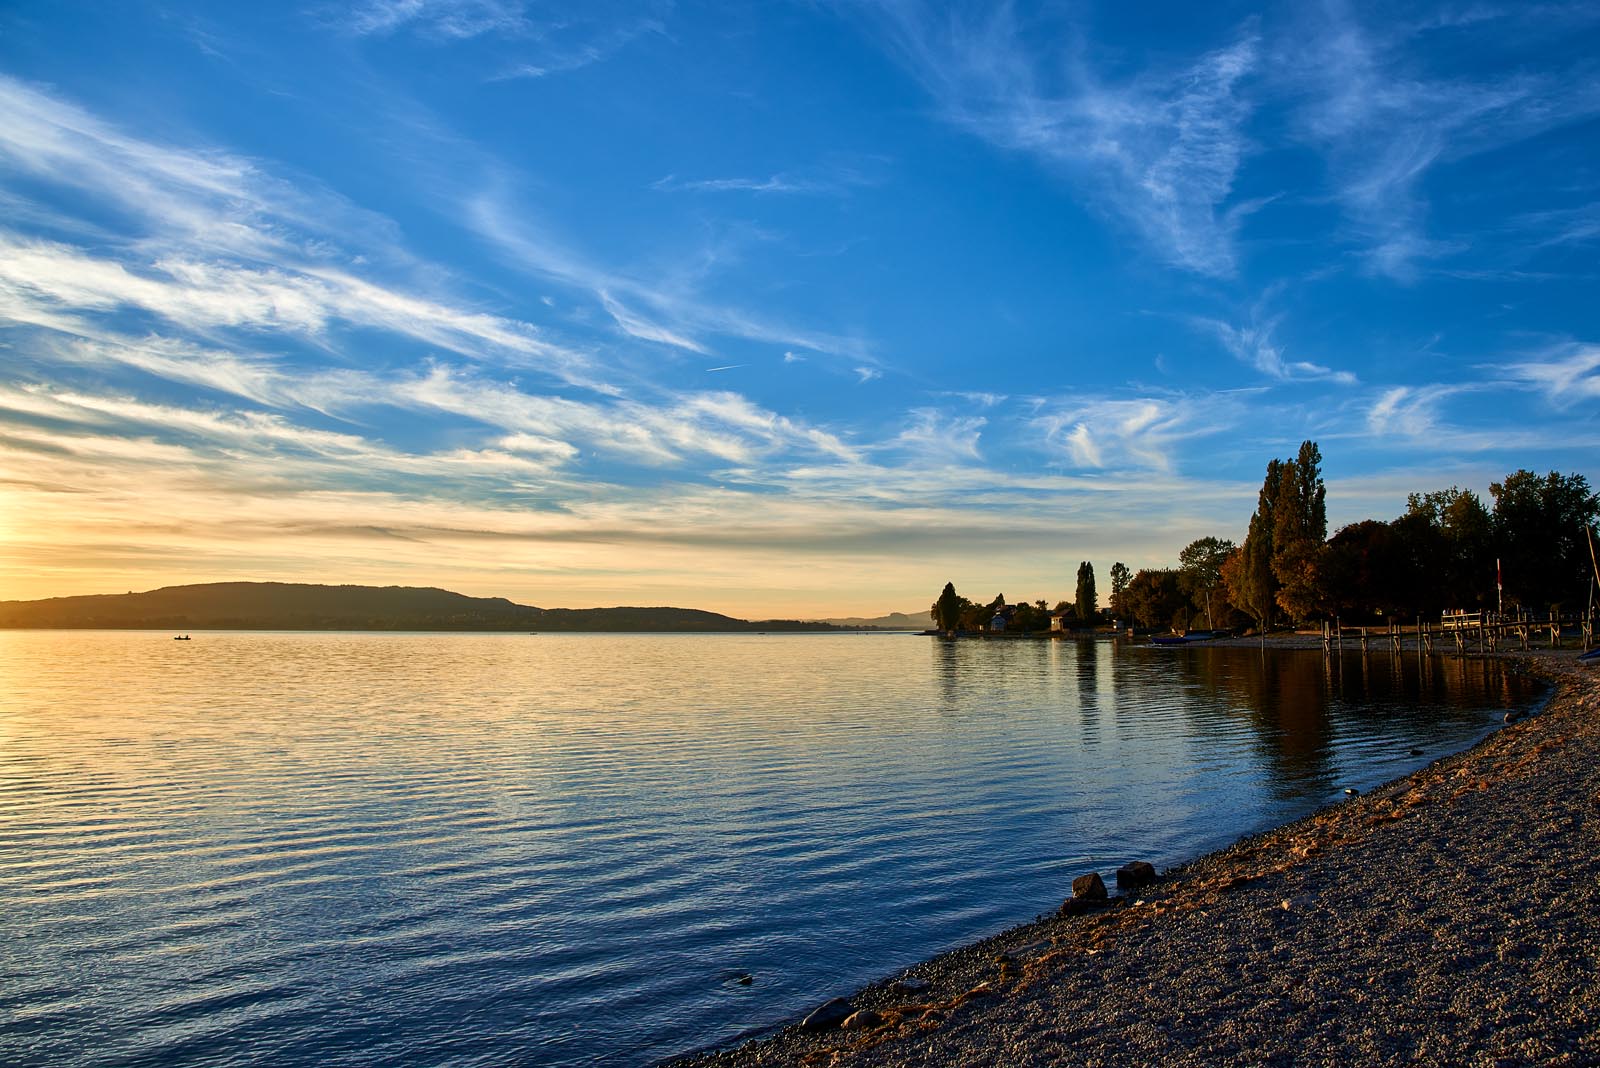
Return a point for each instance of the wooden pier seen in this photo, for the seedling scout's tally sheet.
(1465, 632)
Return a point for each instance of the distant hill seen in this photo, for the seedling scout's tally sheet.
(892, 621)
(299, 606)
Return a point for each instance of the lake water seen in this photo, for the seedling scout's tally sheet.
(380, 849)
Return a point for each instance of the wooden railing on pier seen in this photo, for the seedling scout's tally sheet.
(1466, 632)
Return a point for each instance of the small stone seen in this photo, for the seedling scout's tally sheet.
(828, 1015)
(1090, 887)
(911, 985)
(1133, 875)
(1351, 791)
(864, 1018)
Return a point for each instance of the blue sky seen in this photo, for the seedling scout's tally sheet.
(774, 308)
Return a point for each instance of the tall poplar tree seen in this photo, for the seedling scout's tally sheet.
(1087, 608)
(1300, 533)
(1250, 580)
(947, 609)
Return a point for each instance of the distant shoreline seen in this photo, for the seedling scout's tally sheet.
(1443, 917)
(303, 606)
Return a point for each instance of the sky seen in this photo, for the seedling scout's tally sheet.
(776, 309)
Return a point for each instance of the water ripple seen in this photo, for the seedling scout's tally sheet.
(376, 850)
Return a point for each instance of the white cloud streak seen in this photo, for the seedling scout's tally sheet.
(1144, 433)
(1253, 345)
(649, 310)
(1383, 123)
(1160, 152)
(55, 285)
(1566, 375)
(835, 181)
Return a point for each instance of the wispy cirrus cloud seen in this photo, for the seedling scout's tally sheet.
(529, 41)
(651, 310)
(1409, 411)
(263, 449)
(218, 245)
(56, 286)
(1254, 345)
(1567, 374)
(932, 434)
(208, 200)
(1148, 433)
(1159, 151)
(1384, 120)
(822, 181)
(455, 19)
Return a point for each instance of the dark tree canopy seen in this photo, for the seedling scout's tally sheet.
(1087, 608)
(1462, 550)
(1438, 556)
(1249, 577)
(1119, 582)
(1200, 571)
(1539, 525)
(1155, 598)
(948, 608)
(1299, 531)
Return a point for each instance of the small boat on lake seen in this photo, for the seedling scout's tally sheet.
(1184, 639)
(181, 638)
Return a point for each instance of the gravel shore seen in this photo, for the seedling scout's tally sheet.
(1451, 917)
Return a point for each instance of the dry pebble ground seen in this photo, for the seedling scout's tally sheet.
(1450, 918)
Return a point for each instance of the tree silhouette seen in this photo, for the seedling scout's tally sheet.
(1086, 596)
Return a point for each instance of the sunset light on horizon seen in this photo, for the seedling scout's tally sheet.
(779, 310)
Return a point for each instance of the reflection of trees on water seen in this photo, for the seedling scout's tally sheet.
(1283, 698)
(1088, 656)
(1295, 703)
(1286, 714)
(948, 672)
(1385, 684)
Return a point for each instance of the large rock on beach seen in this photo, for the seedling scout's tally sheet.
(1088, 894)
(1089, 887)
(828, 1015)
(1133, 875)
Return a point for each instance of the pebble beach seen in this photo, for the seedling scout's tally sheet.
(1450, 917)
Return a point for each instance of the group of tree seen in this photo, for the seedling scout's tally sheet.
(953, 612)
(1282, 562)
(1445, 553)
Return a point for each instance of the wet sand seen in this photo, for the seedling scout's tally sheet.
(1450, 917)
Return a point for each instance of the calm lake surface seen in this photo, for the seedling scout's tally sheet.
(378, 849)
